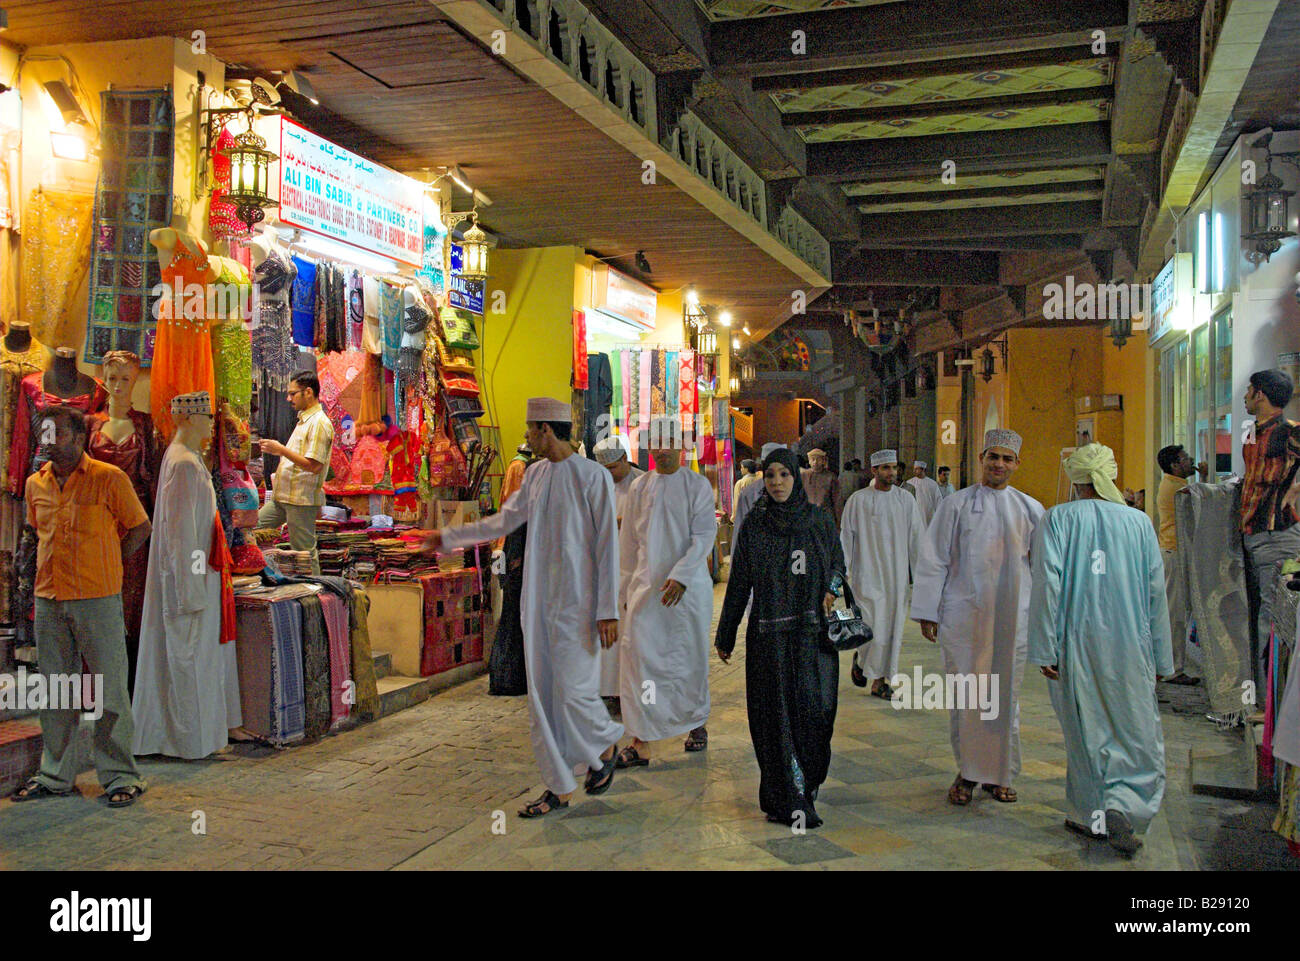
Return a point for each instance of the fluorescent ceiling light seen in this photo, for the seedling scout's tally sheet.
(69, 146)
(347, 253)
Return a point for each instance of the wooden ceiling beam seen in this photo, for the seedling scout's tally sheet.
(1065, 218)
(944, 28)
(866, 202)
(1026, 242)
(917, 69)
(892, 158)
(944, 108)
(916, 268)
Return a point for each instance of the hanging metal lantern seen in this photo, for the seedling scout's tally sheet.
(1121, 329)
(706, 342)
(475, 247)
(250, 176)
(747, 371)
(987, 366)
(735, 385)
(1270, 215)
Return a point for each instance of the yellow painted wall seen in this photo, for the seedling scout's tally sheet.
(1048, 369)
(150, 63)
(528, 350)
(1124, 372)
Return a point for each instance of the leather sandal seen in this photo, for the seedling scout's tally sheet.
(34, 790)
(1007, 795)
(628, 757)
(960, 792)
(599, 780)
(545, 804)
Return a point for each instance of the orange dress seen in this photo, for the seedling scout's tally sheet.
(182, 353)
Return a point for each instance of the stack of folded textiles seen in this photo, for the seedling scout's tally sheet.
(290, 562)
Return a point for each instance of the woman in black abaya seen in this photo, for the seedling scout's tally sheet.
(789, 557)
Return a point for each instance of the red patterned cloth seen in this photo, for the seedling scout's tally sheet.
(579, 350)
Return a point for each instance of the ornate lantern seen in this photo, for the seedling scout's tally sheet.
(1270, 214)
(474, 244)
(250, 176)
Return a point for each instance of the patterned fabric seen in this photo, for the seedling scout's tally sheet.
(33, 399)
(303, 302)
(1212, 560)
(133, 197)
(1271, 463)
(337, 620)
(232, 351)
(315, 667)
(289, 720)
(56, 233)
(390, 320)
(183, 352)
(14, 366)
(356, 309)
(363, 664)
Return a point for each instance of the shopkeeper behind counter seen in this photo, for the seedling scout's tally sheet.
(297, 489)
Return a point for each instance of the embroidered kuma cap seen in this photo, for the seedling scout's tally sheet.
(609, 450)
(199, 402)
(549, 409)
(1003, 438)
(884, 457)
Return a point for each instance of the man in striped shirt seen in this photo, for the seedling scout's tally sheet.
(297, 489)
(1269, 492)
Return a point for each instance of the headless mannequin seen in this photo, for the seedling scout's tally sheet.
(63, 379)
(260, 247)
(165, 240)
(19, 337)
(119, 381)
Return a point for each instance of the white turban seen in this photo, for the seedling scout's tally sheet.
(609, 450)
(549, 409)
(1095, 464)
(921, 464)
(1003, 438)
(884, 457)
(769, 448)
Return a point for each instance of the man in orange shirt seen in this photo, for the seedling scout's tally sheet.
(87, 519)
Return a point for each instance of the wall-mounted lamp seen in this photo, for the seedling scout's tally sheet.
(724, 318)
(1268, 206)
(250, 176)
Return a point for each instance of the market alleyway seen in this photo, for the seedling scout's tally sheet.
(418, 790)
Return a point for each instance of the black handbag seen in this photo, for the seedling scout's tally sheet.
(845, 629)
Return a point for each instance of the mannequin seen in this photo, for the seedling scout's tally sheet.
(63, 379)
(182, 354)
(63, 383)
(186, 702)
(18, 339)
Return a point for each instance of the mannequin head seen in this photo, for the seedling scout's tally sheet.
(121, 370)
(192, 414)
(19, 335)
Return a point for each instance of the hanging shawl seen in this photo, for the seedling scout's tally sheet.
(1211, 558)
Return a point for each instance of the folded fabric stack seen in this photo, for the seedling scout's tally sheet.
(266, 535)
(290, 562)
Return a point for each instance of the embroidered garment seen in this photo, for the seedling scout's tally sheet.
(303, 301)
(233, 352)
(56, 235)
(315, 667)
(356, 309)
(14, 366)
(182, 360)
(33, 399)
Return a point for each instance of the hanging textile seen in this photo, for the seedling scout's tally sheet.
(232, 352)
(56, 233)
(183, 351)
(356, 309)
(315, 667)
(273, 350)
(223, 217)
(133, 197)
(616, 392)
(580, 352)
(645, 386)
(336, 611)
(286, 671)
(672, 392)
(390, 321)
(303, 302)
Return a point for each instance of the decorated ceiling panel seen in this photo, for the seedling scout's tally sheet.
(1008, 178)
(1074, 75)
(1040, 116)
(744, 9)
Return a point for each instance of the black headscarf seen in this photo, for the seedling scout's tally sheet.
(795, 513)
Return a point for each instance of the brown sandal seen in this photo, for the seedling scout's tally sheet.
(960, 792)
(1007, 795)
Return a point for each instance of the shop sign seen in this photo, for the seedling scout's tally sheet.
(1167, 292)
(332, 191)
(462, 293)
(620, 296)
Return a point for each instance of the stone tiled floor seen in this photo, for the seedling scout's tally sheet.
(426, 788)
